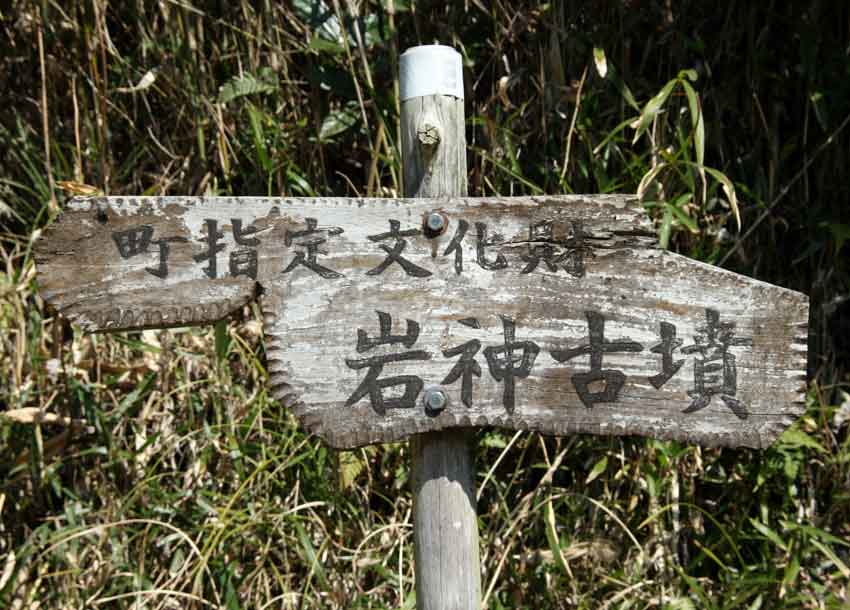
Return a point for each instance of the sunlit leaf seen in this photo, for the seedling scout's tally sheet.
(652, 108)
(697, 121)
(337, 122)
(842, 567)
(552, 538)
(247, 84)
(600, 61)
(648, 178)
(350, 467)
(689, 73)
(795, 437)
(597, 469)
(729, 190)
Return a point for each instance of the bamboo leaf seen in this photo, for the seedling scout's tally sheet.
(652, 108)
(697, 121)
(648, 178)
(729, 189)
(690, 74)
(552, 538)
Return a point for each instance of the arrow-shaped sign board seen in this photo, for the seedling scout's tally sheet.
(390, 317)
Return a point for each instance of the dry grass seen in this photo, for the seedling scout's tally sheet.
(151, 470)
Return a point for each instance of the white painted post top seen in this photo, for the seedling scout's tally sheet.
(432, 69)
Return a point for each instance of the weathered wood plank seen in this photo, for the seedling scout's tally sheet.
(99, 285)
(635, 291)
(608, 267)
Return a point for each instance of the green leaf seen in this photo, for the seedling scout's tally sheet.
(794, 437)
(689, 73)
(677, 208)
(597, 469)
(552, 538)
(600, 61)
(256, 119)
(697, 121)
(311, 556)
(247, 84)
(299, 183)
(769, 534)
(842, 567)
(222, 340)
(652, 108)
(757, 602)
(666, 227)
(648, 178)
(791, 571)
(840, 234)
(350, 466)
(337, 122)
(729, 189)
(323, 44)
(814, 532)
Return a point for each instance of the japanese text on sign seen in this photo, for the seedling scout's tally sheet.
(511, 359)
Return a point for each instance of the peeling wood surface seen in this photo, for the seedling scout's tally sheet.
(312, 323)
(83, 274)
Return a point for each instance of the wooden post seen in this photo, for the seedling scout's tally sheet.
(445, 526)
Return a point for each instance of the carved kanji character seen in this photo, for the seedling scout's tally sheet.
(567, 253)
(394, 252)
(712, 343)
(505, 365)
(668, 345)
(596, 347)
(311, 238)
(133, 241)
(239, 234)
(372, 385)
(455, 245)
(137, 240)
(161, 270)
(481, 246)
(243, 262)
(211, 240)
(466, 367)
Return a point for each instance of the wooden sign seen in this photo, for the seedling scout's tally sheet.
(385, 318)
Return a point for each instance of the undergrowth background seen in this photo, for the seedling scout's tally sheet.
(152, 470)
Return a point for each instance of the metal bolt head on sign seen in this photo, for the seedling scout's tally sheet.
(554, 314)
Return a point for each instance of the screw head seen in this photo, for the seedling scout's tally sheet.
(435, 221)
(435, 400)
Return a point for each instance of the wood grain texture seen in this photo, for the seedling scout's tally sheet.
(445, 526)
(312, 322)
(84, 277)
(442, 467)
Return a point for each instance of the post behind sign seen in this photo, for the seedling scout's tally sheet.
(445, 526)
